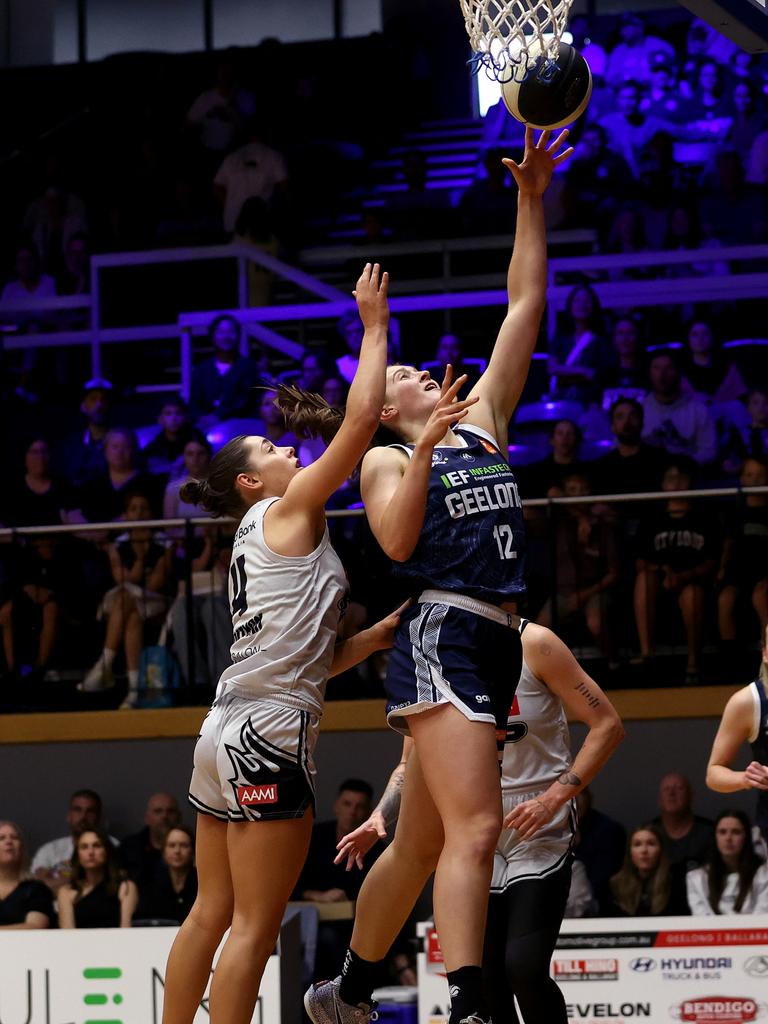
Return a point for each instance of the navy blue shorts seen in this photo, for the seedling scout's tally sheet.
(447, 654)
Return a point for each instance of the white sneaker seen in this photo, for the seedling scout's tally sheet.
(99, 678)
(131, 700)
(324, 1006)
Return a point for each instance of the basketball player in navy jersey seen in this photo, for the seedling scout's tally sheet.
(532, 866)
(745, 720)
(253, 778)
(444, 505)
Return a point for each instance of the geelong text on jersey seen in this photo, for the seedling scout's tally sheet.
(472, 500)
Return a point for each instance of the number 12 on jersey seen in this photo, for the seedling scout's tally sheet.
(505, 541)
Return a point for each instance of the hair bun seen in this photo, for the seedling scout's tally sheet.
(194, 492)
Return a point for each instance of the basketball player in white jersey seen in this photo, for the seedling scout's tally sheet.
(532, 866)
(253, 777)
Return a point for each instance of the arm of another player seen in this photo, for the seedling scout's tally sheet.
(736, 727)
(549, 659)
(378, 637)
(355, 845)
(502, 383)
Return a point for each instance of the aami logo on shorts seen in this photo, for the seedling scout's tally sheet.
(591, 969)
(248, 796)
(717, 1010)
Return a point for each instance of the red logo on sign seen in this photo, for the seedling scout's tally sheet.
(247, 796)
(591, 969)
(515, 709)
(718, 1010)
(434, 953)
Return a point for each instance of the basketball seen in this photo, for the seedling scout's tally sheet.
(550, 96)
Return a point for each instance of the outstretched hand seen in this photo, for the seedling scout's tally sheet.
(371, 295)
(355, 845)
(534, 172)
(383, 631)
(447, 411)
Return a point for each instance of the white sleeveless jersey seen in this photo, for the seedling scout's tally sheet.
(285, 614)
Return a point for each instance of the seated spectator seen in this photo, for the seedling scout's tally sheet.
(24, 902)
(600, 177)
(196, 456)
(546, 478)
(753, 439)
(141, 853)
(688, 839)
(647, 885)
(581, 901)
(314, 372)
(708, 103)
(600, 844)
(489, 205)
(164, 453)
(631, 59)
(29, 284)
(171, 888)
(627, 368)
(449, 350)
(684, 232)
(350, 328)
(587, 568)
(706, 370)
(334, 391)
(102, 498)
(51, 863)
(744, 565)
(679, 424)
(254, 169)
(577, 350)
(38, 498)
(53, 218)
(83, 452)
(222, 384)
(220, 114)
(734, 880)
(679, 549)
(255, 227)
(75, 276)
(97, 894)
(662, 99)
(632, 466)
(273, 422)
(140, 567)
(748, 120)
(629, 130)
(731, 209)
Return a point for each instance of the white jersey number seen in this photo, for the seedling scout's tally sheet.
(505, 539)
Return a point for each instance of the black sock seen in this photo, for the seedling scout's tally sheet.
(466, 989)
(358, 979)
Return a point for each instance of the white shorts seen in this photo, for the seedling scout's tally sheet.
(254, 761)
(519, 859)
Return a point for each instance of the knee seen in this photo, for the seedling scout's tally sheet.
(212, 917)
(477, 838)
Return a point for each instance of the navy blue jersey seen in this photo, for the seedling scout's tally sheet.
(473, 538)
(759, 744)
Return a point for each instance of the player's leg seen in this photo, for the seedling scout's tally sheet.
(646, 591)
(691, 602)
(49, 632)
(265, 860)
(726, 620)
(189, 963)
(498, 993)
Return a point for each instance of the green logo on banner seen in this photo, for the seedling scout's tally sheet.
(102, 998)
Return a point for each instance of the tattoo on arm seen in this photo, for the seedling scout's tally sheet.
(587, 694)
(389, 805)
(569, 779)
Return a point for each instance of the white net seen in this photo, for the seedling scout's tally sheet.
(501, 34)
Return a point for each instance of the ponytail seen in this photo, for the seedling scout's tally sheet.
(217, 493)
(308, 415)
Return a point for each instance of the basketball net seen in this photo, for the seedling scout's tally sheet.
(502, 33)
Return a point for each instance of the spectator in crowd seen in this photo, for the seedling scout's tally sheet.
(255, 227)
(662, 99)
(687, 837)
(678, 423)
(254, 169)
(350, 328)
(323, 881)
(648, 885)
(97, 894)
(450, 350)
(140, 853)
(334, 391)
(489, 205)
(196, 456)
(30, 283)
(629, 129)
(706, 370)
(744, 564)
(733, 880)
(626, 373)
(586, 569)
(171, 888)
(633, 465)
(222, 384)
(83, 452)
(164, 453)
(74, 277)
(679, 549)
(140, 567)
(731, 209)
(632, 58)
(51, 863)
(546, 478)
(219, 115)
(274, 422)
(747, 120)
(24, 902)
(600, 844)
(38, 498)
(577, 351)
(757, 164)
(754, 436)
(103, 498)
(54, 218)
(708, 102)
(313, 372)
(599, 177)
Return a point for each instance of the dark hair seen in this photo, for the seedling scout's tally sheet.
(176, 401)
(670, 353)
(625, 400)
(220, 320)
(90, 794)
(572, 423)
(748, 863)
(113, 873)
(136, 492)
(595, 317)
(217, 493)
(357, 786)
(309, 416)
(690, 324)
(627, 885)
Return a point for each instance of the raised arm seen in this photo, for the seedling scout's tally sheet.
(502, 383)
(550, 660)
(736, 728)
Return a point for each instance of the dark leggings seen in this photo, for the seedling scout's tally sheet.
(523, 925)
